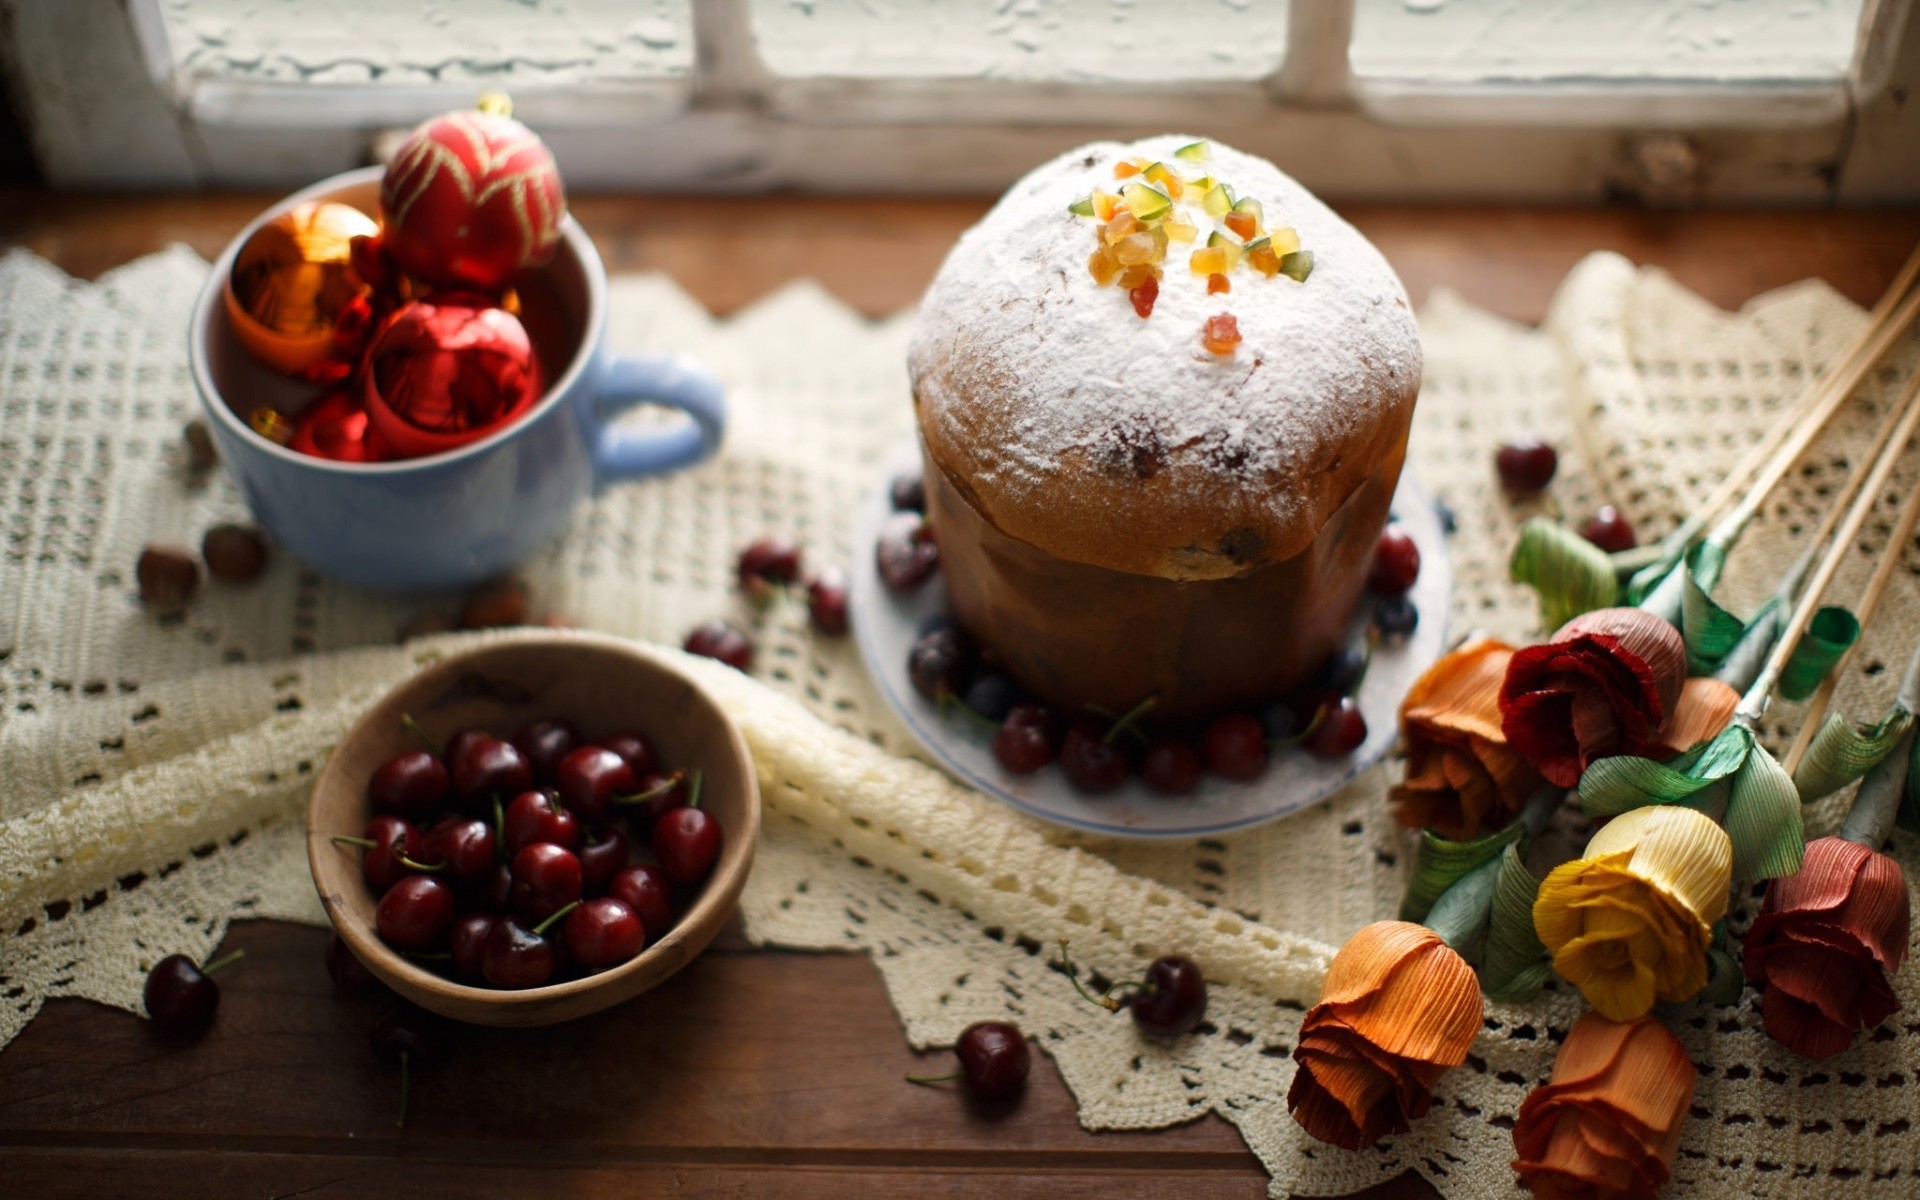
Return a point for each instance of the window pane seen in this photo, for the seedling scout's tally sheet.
(1151, 42)
(1463, 41)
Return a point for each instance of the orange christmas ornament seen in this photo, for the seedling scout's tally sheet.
(291, 282)
(472, 198)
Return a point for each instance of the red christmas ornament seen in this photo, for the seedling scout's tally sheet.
(471, 199)
(336, 427)
(448, 371)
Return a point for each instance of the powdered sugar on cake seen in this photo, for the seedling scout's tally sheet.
(1014, 319)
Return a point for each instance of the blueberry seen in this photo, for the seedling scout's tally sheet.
(993, 696)
(908, 493)
(1448, 522)
(1341, 672)
(937, 623)
(938, 664)
(1278, 720)
(1395, 616)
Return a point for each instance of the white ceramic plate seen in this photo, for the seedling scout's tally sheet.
(885, 626)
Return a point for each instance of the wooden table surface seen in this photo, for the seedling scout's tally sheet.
(752, 1073)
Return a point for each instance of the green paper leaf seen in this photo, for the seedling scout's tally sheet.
(1711, 631)
(1570, 574)
(1763, 819)
(1439, 863)
(1742, 664)
(1909, 816)
(1514, 963)
(1724, 981)
(1840, 753)
(1830, 634)
(1622, 783)
(1460, 915)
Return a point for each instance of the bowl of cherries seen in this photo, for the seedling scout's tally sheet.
(534, 830)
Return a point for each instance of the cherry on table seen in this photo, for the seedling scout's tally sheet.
(415, 913)
(1339, 730)
(1171, 766)
(544, 742)
(591, 778)
(410, 1036)
(489, 766)
(1094, 765)
(546, 878)
(536, 816)
(390, 851)
(234, 553)
(994, 1061)
(601, 857)
(603, 933)
(768, 562)
(1609, 530)
(904, 552)
(467, 939)
(412, 783)
(1025, 741)
(349, 974)
(1526, 464)
(181, 996)
(465, 845)
(168, 577)
(1396, 617)
(635, 748)
(1173, 998)
(643, 888)
(1235, 746)
(827, 601)
(718, 640)
(1396, 562)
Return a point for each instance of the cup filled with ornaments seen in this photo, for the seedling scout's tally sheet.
(534, 830)
(406, 371)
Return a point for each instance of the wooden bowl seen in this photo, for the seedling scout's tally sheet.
(601, 684)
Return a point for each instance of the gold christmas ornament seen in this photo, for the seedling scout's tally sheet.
(292, 280)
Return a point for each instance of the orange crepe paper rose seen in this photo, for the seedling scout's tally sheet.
(1398, 1010)
(1603, 685)
(1703, 710)
(1462, 780)
(1824, 944)
(1629, 922)
(1608, 1122)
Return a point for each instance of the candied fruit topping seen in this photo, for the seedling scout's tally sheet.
(1194, 152)
(1126, 169)
(1179, 230)
(1216, 284)
(1210, 260)
(1144, 296)
(1285, 240)
(1222, 333)
(1297, 266)
(1146, 202)
(1163, 175)
(1083, 207)
(1136, 248)
(1218, 201)
(1105, 204)
(1122, 226)
(1138, 274)
(1103, 266)
(1260, 257)
(1220, 241)
(1241, 223)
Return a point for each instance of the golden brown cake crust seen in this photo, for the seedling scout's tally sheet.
(1072, 424)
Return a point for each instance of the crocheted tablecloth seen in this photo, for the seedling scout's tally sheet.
(153, 773)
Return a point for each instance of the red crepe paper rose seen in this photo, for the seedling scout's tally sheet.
(1601, 686)
(1824, 944)
(1399, 1009)
(1606, 1126)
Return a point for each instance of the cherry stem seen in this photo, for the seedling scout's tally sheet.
(347, 840)
(540, 930)
(653, 793)
(1125, 723)
(1073, 975)
(693, 792)
(1319, 714)
(419, 735)
(409, 864)
(929, 1080)
(499, 830)
(223, 961)
(406, 1069)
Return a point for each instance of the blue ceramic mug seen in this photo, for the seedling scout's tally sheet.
(456, 518)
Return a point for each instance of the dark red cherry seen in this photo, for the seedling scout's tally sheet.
(1093, 765)
(180, 997)
(646, 891)
(1173, 999)
(467, 939)
(653, 797)
(601, 857)
(415, 913)
(464, 844)
(515, 957)
(904, 552)
(410, 1036)
(1609, 530)
(1171, 767)
(412, 784)
(1396, 563)
(994, 1059)
(496, 893)
(939, 661)
(537, 817)
(1340, 731)
(591, 777)
(603, 933)
(827, 601)
(1526, 464)
(1024, 743)
(686, 841)
(459, 743)
(768, 562)
(388, 846)
(348, 973)
(717, 639)
(488, 767)
(546, 878)
(543, 743)
(1235, 746)
(635, 748)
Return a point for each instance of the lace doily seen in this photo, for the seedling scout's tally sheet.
(153, 774)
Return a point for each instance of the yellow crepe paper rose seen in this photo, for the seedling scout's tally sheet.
(1628, 924)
